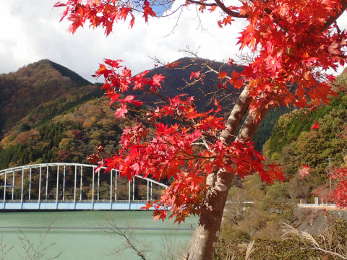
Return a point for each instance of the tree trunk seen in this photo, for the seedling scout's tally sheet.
(206, 233)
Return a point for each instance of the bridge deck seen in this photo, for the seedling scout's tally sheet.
(73, 186)
(81, 205)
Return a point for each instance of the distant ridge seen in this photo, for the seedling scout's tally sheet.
(34, 85)
(46, 63)
(177, 77)
(50, 113)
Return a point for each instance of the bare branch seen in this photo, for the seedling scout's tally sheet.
(228, 11)
(188, 50)
(290, 231)
(201, 3)
(117, 231)
(332, 19)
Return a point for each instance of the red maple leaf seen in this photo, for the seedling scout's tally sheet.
(315, 126)
(157, 79)
(304, 171)
(194, 75)
(222, 75)
(236, 80)
(120, 112)
(147, 10)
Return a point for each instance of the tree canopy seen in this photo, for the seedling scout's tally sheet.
(295, 44)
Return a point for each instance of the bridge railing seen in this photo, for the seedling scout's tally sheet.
(73, 182)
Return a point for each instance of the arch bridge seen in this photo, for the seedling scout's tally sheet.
(73, 186)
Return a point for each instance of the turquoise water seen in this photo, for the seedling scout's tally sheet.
(89, 235)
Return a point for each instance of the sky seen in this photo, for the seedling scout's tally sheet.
(30, 30)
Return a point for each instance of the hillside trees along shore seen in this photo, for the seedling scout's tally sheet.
(29, 131)
(295, 143)
(296, 42)
(22, 91)
(67, 124)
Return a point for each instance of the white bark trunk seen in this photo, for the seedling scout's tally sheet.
(206, 234)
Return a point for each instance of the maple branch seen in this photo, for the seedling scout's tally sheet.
(172, 12)
(226, 10)
(192, 156)
(205, 143)
(201, 3)
(332, 19)
(250, 124)
(235, 116)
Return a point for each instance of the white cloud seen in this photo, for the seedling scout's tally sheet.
(31, 31)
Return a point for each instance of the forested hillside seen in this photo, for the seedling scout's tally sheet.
(30, 98)
(50, 113)
(315, 139)
(63, 117)
(40, 91)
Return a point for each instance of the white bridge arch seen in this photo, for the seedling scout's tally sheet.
(73, 186)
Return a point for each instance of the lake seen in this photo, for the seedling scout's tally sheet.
(89, 235)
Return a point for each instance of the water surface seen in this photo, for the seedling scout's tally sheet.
(89, 235)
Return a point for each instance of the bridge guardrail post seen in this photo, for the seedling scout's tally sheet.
(47, 179)
(111, 192)
(98, 194)
(64, 174)
(74, 191)
(147, 191)
(13, 183)
(57, 188)
(115, 185)
(133, 188)
(4, 199)
(129, 195)
(29, 183)
(39, 197)
(81, 183)
(93, 184)
(22, 190)
(151, 191)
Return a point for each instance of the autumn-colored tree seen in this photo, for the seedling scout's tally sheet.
(295, 42)
(339, 193)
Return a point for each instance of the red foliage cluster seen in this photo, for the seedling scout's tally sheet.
(186, 150)
(296, 41)
(339, 194)
(304, 171)
(315, 126)
(293, 44)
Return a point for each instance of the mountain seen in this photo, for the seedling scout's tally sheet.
(40, 91)
(49, 113)
(177, 81)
